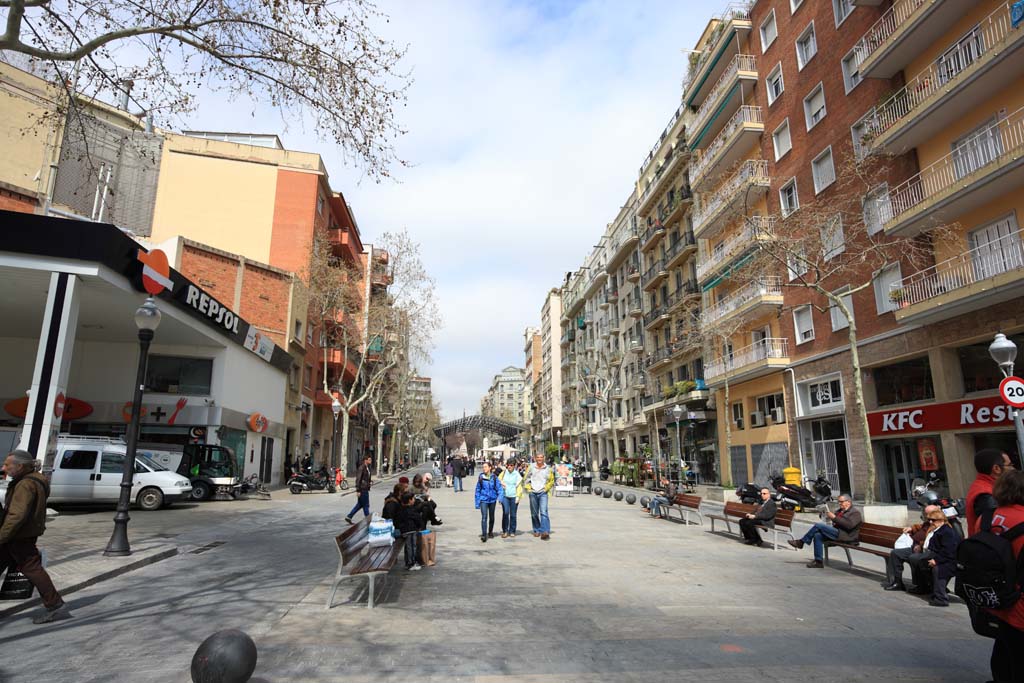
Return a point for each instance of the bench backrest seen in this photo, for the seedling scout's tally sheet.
(738, 509)
(686, 500)
(784, 518)
(879, 534)
(352, 540)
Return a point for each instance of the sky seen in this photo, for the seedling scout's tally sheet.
(527, 124)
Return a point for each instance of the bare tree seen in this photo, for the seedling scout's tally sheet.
(318, 61)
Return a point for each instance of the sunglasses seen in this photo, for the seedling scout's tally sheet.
(937, 519)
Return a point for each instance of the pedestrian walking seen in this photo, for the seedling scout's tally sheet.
(363, 483)
(449, 471)
(485, 497)
(458, 472)
(22, 522)
(538, 481)
(512, 490)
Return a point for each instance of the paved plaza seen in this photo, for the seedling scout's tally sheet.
(613, 596)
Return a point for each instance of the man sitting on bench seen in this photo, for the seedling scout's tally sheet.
(668, 492)
(763, 516)
(844, 528)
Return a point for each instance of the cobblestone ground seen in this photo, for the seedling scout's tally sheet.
(613, 596)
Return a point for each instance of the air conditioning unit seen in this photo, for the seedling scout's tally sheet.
(778, 415)
(757, 419)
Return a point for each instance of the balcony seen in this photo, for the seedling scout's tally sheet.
(638, 420)
(689, 292)
(612, 295)
(677, 252)
(728, 147)
(727, 252)
(664, 175)
(615, 392)
(750, 181)
(759, 359)
(754, 299)
(982, 168)
(658, 358)
(723, 101)
(380, 277)
(907, 29)
(986, 275)
(655, 275)
(636, 308)
(685, 341)
(657, 316)
(598, 276)
(569, 336)
(731, 31)
(344, 244)
(633, 272)
(619, 250)
(652, 236)
(635, 346)
(976, 67)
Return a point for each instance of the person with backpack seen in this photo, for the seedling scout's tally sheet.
(488, 490)
(989, 463)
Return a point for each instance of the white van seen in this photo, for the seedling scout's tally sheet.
(88, 469)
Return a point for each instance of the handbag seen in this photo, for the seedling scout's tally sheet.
(16, 586)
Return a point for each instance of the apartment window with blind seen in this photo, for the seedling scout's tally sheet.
(833, 241)
(803, 323)
(781, 140)
(839, 320)
(842, 9)
(883, 283)
(877, 209)
(814, 106)
(823, 170)
(851, 70)
(789, 201)
(806, 46)
(769, 31)
(775, 83)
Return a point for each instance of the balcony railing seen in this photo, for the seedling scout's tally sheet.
(886, 26)
(734, 10)
(652, 272)
(685, 240)
(754, 228)
(770, 348)
(671, 159)
(658, 356)
(937, 76)
(652, 232)
(981, 263)
(983, 149)
(745, 114)
(664, 134)
(739, 63)
(767, 286)
(751, 169)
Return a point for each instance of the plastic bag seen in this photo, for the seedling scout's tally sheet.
(904, 541)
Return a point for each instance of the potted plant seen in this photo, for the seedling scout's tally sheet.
(668, 392)
(899, 297)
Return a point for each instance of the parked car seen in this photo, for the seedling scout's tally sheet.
(89, 470)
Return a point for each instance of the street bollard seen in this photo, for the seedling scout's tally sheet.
(598, 490)
(227, 656)
(630, 499)
(618, 495)
(607, 493)
(645, 502)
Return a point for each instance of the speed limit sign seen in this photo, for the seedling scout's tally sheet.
(1011, 390)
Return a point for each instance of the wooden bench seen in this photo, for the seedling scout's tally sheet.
(738, 511)
(871, 534)
(684, 504)
(356, 558)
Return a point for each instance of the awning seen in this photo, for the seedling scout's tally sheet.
(727, 273)
(696, 140)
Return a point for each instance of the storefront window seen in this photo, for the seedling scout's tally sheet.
(177, 375)
(979, 371)
(904, 382)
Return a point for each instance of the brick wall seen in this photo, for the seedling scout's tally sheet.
(214, 271)
(15, 201)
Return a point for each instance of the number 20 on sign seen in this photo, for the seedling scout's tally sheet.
(1011, 390)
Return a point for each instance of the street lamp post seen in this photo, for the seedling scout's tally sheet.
(147, 319)
(1004, 352)
(336, 409)
(558, 436)
(677, 413)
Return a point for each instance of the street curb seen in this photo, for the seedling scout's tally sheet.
(67, 590)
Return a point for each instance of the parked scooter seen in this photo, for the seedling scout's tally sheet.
(749, 493)
(312, 482)
(931, 493)
(605, 472)
(793, 497)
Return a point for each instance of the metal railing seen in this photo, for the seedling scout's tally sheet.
(664, 134)
(767, 286)
(985, 261)
(652, 272)
(988, 35)
(734, 10)
(658, 356)
(751, 170)
(886, 25)
(769, 348)
(655, 313)
(685, 240)
(745, 114)
(651, 231)
(739, 63)
(985, 148)
(754, 228)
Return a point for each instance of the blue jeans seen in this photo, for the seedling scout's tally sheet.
(412, 548)
(817, 535)
(362, 503)
(457, 483)
(539, 513)
(509, 508)
(486, 518)
(656, 503)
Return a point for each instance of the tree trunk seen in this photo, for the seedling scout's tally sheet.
(862, 414)
(342, 447)
(379, 451)
(727, 453)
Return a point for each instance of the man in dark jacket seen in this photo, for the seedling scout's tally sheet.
(23, 521)
(764, 516)
(664, 497)
(458, 472)
(363, 482)
(844, 527)
(898, 556)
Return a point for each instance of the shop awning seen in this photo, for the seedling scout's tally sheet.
(727, 273)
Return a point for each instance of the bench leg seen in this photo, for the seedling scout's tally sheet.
(369, 599)
(848, 558)
(334, 589)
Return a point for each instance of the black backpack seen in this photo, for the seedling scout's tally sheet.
(987, 573)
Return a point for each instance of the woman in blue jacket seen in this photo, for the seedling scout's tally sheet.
(940, 556)
(488, 489)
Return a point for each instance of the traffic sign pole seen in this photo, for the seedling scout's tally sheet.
(1011, 390)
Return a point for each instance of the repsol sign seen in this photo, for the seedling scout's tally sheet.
(956, 416)
(214, 310)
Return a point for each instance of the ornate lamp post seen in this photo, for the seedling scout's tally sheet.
(677, 413)
(558, 436)
(1004, 352)
(147, 319)
(336, 409)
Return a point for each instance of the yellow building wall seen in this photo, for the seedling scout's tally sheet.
(29, 130)
(955, 243)
(980, 10)
(748, 392)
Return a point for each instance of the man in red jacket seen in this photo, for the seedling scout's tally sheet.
(989, 463)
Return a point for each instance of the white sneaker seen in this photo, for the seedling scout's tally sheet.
(416, 567)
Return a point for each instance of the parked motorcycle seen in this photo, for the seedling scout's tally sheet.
(931, 492)
(310, 482)
(605, 472)
(749, 493)
(793, 497)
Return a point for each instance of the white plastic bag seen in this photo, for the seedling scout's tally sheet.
(904, 541)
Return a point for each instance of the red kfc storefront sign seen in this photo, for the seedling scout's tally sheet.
(978, 413)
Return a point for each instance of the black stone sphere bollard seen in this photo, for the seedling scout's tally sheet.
(645, 502)
(630, 499)
(618, 495)
(225, 657)
(607, 493)
(598, 490)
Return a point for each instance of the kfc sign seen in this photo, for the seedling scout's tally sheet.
(977, 414)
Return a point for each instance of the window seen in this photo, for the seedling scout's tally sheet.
(293, 377)
(794, 5)
(877, 209)
(176, 375)
(789, 200)
(806, 46)
(977, 149)
(804, 324)
(842, 9)
(851, 70)
(773, 408)
(737, 415)
(884, 282)
(857, 131)
(823, 170)
(309, 376)
(320, 204)
(961, 55)
(769, 31)
(78, 460)
(833, 242)
(298, 329)
(839, 320)
(796, 263)
(827, 393)
(781, 140)
(979, 372)
(905, 382)
(775, 84)
(814, 107)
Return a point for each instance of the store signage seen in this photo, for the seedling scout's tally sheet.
(65, 408)
(212, 309)
(1011, 390)
(982, 413)
(258, 422)
(927, 455)
(156, 272)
